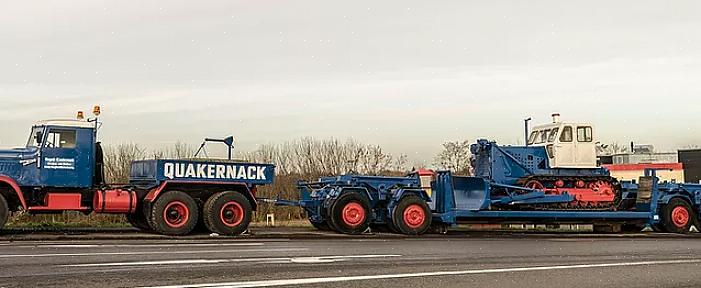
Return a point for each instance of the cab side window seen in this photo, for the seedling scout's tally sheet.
(566, 134)
(60, 139)
(584, 134)
(553, 135)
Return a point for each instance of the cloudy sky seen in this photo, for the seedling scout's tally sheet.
(407, 75)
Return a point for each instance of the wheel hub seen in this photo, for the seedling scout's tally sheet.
(231, 214)
(414, 216)
(680, 216)
(353, 214)
(176, 214)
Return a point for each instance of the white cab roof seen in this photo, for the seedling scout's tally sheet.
(66, 123)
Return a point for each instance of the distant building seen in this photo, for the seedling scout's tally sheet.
(691, 159)
(630, 166)
(671, 172)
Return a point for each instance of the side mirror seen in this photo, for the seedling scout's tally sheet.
(39, 136)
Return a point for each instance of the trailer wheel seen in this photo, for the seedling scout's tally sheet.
(174, 213)
(677, 216)
(350, 213)
(321, 226)
(412, 216)
(4, 211)
(227, 213)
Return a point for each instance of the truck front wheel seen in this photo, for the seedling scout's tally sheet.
(4, 211)
(227, 213)
(174, 213)
(412, 216)
(677, 216)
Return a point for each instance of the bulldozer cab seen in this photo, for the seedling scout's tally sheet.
(568, 145)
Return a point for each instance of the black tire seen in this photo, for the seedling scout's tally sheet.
(227, 213)
(174, 213)
(321, 226)
(138, 220)
(4, 211)
(678, 216)
(632, 228)
(357, 208)
(422, 217)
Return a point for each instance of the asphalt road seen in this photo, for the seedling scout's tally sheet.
(463, 260)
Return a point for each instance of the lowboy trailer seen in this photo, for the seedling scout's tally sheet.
(353, 204)
(61, 168)
(553, 179)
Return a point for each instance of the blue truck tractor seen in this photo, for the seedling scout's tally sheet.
(553, 179)
(61, 168)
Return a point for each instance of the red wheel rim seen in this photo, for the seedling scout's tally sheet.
(680, 216)
(535, 184)
(353, 214)
(176, 214)
(414, 216)
(231, 214)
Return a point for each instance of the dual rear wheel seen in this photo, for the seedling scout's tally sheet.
(351, 214)
(177, 213)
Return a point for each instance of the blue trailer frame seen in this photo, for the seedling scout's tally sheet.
(477, 206)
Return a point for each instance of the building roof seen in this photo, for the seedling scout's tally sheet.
(640, 167)
(66, 123)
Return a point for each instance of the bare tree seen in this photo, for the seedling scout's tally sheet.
(611, 149)
(455, 156)
(118, 161)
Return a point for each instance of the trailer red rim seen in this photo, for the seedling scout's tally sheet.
(353, 214)
(414, 216)
(535, 184)
(231, 214)
(176, 214)
(680, 216)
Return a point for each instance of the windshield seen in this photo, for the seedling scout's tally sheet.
(32, 142)
(534, 135)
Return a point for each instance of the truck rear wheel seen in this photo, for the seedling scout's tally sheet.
(174, 213)
(412, 216)
(227, 213)
(4, 211)
(350, 213)
(677, 216)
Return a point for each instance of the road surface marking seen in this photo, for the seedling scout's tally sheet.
(305, 260)
(303, 281)
(152, 253)
(139, 246)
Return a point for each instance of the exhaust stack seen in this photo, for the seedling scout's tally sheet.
(556, 118)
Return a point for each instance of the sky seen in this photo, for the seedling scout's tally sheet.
(406, 75)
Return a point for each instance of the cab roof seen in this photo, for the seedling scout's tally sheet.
(66, 123)
(558, 124)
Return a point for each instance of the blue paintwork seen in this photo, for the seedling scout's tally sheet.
(508, 164)
(383, 194)
(150, 173)
(455, 198)
(51, 166)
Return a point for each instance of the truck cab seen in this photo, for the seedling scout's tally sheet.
(60, 154)
(568, 145)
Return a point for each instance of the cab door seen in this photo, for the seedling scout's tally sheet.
(565, 148)
(586, 148)
(66, 155)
